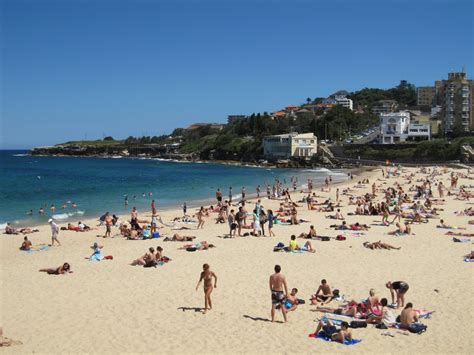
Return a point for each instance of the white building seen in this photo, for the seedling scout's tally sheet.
(344, 101)
(396, 127)
(284, 146)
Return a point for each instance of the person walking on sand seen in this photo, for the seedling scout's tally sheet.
(54, 232)
(200, 217)
(207, 276)
(279, 291)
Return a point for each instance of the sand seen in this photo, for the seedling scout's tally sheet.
(111, 306)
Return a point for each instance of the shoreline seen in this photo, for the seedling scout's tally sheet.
(360, 172)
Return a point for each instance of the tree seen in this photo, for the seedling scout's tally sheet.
(108, 138)
(308, 100)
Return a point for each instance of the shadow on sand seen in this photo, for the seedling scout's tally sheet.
(260, 319)
(195, 309)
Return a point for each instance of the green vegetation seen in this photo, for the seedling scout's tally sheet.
(435, 150)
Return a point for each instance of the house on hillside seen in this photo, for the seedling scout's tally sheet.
(284, 146)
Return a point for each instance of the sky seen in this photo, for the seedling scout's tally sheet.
(76, 69)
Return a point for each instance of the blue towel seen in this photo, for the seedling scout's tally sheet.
(37, 248)
(323, 337)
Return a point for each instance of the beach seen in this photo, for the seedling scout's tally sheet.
(110, 306)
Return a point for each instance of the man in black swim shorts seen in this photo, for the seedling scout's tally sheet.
(277, 286)
(399, 288)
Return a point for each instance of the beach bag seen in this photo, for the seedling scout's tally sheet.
(340, 237)
(417, 328)
(381, 326)
(358, 324)
(325, 239)
(156, 234)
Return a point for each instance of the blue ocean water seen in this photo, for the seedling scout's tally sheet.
(97, 185)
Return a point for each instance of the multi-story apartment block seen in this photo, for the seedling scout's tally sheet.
(425, 95)
(455, 96)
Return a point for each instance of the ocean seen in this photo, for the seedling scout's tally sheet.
(98, 185)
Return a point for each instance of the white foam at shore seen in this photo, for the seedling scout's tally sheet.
(67, 215)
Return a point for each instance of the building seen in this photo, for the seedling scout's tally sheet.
(385, 106)
(397, 127)
(455, 96)
(284, 146)
(425, 95)
(344, 101)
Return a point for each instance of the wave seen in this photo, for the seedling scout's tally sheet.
(19, 155)
(318, 170)
(67, 215)
(3, 226)
(116, 157)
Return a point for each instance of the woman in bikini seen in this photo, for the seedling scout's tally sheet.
(207, 276)
(62, 270)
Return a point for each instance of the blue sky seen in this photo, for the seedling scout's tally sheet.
(77, 68)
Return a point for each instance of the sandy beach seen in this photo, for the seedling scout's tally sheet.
(110, 306)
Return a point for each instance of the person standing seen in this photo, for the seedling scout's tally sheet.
(185, 209)
(270, 219)
(239, 217)
(54, 232)
(200, 217)
(219, 196)
(153, 207)
(279, 291)
(206, 276)
(243, 193)
(232, 223)
(258, 191)
(230, 195)
(108, 224)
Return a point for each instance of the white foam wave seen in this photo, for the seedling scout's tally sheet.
(19, 155)
(61, 216)
(3, 226)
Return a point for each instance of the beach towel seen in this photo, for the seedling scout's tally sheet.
(321, 336)
(35, 248)
(166, 224)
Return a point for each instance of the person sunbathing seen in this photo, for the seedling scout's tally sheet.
(198, 246)
(351, 309)
(338, 215)
(96, 253)
(470, 256)
(291, 302)
(446, 226)
(326, 293)
(70, 227)
(26, 245)
(359, 227)
(408, 316)
(147, 259)
(342, 226)
(387, 317)
(379, 245)
(331, 332)
(294, 245)
(62, 270)
(179, 238)
(311, 234)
